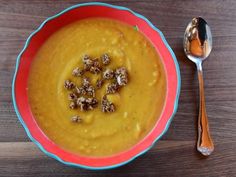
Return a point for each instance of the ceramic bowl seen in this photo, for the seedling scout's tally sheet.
(51, 25)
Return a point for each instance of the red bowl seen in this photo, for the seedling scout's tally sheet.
(45, 30)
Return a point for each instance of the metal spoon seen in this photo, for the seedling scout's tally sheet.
(197, 47)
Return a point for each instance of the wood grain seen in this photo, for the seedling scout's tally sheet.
(27, 160)
(175, 154)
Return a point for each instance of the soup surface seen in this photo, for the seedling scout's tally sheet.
(138, 104)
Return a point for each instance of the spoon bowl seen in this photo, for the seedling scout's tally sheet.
(197, 40)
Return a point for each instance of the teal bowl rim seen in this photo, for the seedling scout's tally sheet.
(26, 45)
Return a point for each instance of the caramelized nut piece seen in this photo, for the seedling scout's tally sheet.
(108, 74)
(81, 90)
(69, 85)
(121, 76)
(112, 88)
(105, 59)
(72, 96)
(85, 58)
(96, 67)
(91, 103)
(77, 72)
(73, 105)
(88, 62)
(90, 91)
(86, 82)
(99, 83)
(81, 102)
(121, 71)
(107, 106)
(122, 80)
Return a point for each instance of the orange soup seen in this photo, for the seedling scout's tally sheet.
(97, 131)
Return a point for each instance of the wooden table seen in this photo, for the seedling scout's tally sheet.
(175, 154)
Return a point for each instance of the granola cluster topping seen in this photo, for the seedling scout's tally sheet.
(105, 59)
(83, 96)
(121, 76)
(108, 74)
(77, 72)
(107, 106)
(112, 88)
(69, 85)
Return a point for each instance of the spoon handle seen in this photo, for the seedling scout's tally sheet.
(205, 144)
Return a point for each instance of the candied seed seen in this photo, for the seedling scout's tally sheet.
(95, 70)
(81, 102)
(122, 80)
(107, 106)
(86, 57)
(78, 90)
(76, 119)
(105, 59)
(112, 88)
(73, 105)
(111, 108)
(90, 91)
(108, 74)
(77, 72)
(92, 103)
(88, 62)
(69, 85)
(96, 67)
(72, 96)
(121, 71)
(84, 107)
(87, 67)
(121, 76)
(96, 62)
(86, 90)
(86, 82)
(81, 90)
(99, 83)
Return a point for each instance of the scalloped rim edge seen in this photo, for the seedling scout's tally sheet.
(26, 45)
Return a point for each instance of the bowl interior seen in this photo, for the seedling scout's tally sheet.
(54, 23)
